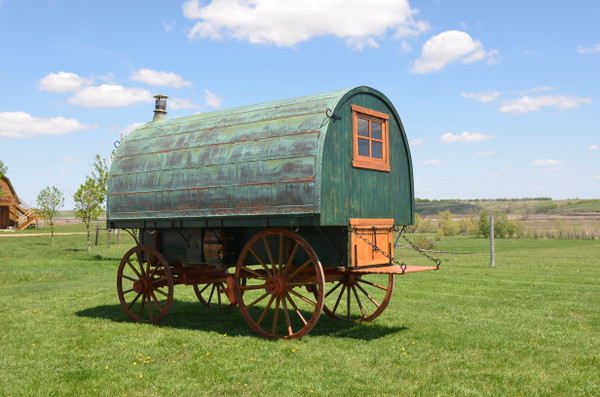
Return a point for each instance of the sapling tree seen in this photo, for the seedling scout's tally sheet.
(48, 202)
(91, 195)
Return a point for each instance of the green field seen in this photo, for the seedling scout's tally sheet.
(528, 327)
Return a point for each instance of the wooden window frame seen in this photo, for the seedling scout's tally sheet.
(380, 164)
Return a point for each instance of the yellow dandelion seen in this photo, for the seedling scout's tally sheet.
(107, 367)
(141, 376)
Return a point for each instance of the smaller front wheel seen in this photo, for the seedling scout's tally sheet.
(359, 297)
(145, 284)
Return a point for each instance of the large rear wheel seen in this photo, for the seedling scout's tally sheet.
(279, 284)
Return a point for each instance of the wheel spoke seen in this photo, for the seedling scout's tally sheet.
(250, 287)
(270, 255)
(264, 313)
(305, 299)
(367, 295)
(358, 302)
(383, 287)
(253, 272)
(134, 299)
(275, 315)
(134, 269)
(339, 298)
(289, 298)
(287, 319)
(263, 296)
(304, 265)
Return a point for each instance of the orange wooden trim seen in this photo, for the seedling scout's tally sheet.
(371, 164)
(370, 112)
(364, 161)
(371, 222)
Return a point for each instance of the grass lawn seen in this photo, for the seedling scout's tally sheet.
(528, 327)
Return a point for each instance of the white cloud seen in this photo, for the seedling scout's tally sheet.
(169, 26)
(528, 104)
(448, 47)
(63, 82)
(594, 147)
(589, 50)
(180, 103)
(286, 23)
(465, 137)
(213, 100)
(110, 95)
(537, 89)
(69, 160)
(488, 96)
(416, 142)
(546, 162)
(432, 162)
(162, 79)
(24, 125)
(485, 154)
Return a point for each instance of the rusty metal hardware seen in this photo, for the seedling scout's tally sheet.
(437, 261)
(375, 248)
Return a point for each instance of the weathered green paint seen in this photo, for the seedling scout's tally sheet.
(283, 159)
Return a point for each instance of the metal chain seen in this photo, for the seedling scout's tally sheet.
(437, 261)
(379, 250)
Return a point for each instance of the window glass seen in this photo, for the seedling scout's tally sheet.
(376, 150)
(376, 130)
(363, 127)
(363, 147)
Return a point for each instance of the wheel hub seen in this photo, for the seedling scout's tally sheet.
(139, 286)
(276, 285)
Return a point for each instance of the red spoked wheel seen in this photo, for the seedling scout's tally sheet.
(145, 284)
(359, 296)
(279, 284)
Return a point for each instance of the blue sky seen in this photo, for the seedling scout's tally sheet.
(498, 99)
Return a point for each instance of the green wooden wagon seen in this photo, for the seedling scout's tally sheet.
(286, 209)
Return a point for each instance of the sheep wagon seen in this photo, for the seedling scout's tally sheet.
(286, 209)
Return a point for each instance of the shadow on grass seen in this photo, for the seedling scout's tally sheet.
(195, 316)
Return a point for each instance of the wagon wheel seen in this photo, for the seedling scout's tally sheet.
(145, 284)
(284, 285)
(359, 296)
(213, 295)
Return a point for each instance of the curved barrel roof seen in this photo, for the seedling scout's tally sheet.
(262, 159)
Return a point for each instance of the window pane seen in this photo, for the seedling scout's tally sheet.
(376, 130)
(363, 127)
(363, 147)
(377, 148)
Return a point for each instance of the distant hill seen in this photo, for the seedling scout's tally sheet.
(426, 207)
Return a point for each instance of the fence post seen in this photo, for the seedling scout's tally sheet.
(492, 245)
(96, 238)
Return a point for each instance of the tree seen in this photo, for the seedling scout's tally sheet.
(91, 195)
(3, 170)
(448, 226)
(484, 223)
(48, 202)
